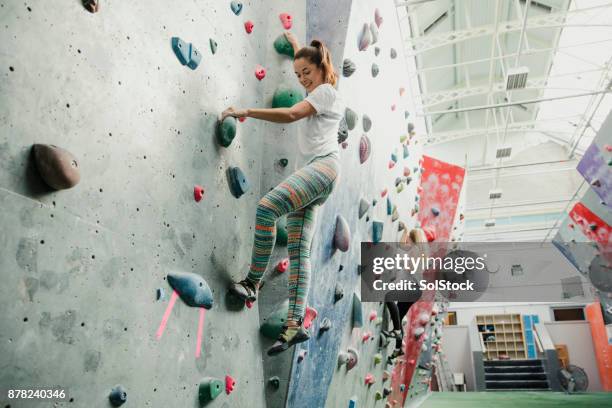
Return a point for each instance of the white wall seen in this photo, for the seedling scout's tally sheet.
(456, 349)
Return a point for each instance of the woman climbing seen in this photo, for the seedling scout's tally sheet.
(299, 195)
(413, 243)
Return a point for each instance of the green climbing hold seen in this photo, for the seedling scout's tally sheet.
(403, 138)
(273, 324)
(210, 388)
(274, 382)
(213, 46)
(375, 70)
(226, 131)
(286, 97)
(283, 46)
(378, 396)
(350, 116)
(357, 311)
(377, 358)
(281, 232)
(283, 162)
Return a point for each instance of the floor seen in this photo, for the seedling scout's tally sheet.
(516, 400)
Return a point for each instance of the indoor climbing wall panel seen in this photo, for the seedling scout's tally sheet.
(85, 300)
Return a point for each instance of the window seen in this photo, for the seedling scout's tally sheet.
(564, 314)
(450, 319)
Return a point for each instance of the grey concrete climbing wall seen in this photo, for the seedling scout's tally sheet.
(80, 268)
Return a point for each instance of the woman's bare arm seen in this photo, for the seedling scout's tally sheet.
(278, 115)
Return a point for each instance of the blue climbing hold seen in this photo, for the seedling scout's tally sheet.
(377, 231)
(357, 311)
(192, 288)
(238, 182)
(435, 211)
(389, 206)
(406, 153)
(353, 402)
(394, 157)
(117, 396)
(186, 53)
(236, 7)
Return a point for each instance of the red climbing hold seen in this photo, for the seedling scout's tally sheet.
(430, 234)
(286, 20)
(229, 384)
(383, 193)
(242, 119)
(198, 193)
(366, 336)
(282, 265)
(248, 26)
(369, 379)
(373, 315)
(248, 303)
(260, 72)
(309, 316)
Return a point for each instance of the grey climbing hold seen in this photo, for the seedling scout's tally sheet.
(236, 7)
(325, 325)
(398, 181)
(393, 53)
(367, 123)
(226, 131)
(160, 294)
(237, 182)
(338, 293)
(117, 396)
(435, 211)
(375, 70)
(374, 32)
(273, 324)
(192, 288)
(353, 358)
(357, 311)
(186, 53)
(342, 235)
(376, 51)
(283, 46)
(406, 114)
(348, 67)
(342, 131)
(410, 127)
(363, 207)
(394, 214)
(213, 46)
(350, 116)
(93, 6)
(274, 382)
(401, 226)
(365, 148)
(377, 231)
(57, 167)
(365, 37)
(374, 202)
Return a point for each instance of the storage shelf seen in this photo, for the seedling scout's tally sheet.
(502, 335)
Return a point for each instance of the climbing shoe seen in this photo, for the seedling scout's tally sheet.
(396, 353)
(288, 338)
(244, 290)
(394, 334)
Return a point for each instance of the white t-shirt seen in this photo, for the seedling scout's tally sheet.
(319, 133)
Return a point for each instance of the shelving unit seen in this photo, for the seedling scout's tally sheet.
(502, 335)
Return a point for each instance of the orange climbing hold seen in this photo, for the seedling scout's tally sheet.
(248, 26)
(309, 316)
(282, 265)
(286, 20)
(230, 383)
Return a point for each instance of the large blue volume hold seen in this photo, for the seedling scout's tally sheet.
(192, 288)
(238, 182)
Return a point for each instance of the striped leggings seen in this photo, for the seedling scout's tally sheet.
(299, 196)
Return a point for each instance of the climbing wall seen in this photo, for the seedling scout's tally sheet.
(85, 301)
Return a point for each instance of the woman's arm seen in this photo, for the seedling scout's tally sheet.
(278, 115)
(293, 41)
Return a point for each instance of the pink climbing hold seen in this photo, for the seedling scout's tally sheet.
(608, 147)
(406, 171)
(230, 383)
(365, 147)
(309, 316)
(393, 107)
(378, 18)
(198, 193)
(373, 315)
(365, 38)
(286, 20)
(260, 72)
(366, 336)
(282, 265)
(411, 361)
(383, 193)
(248, 303)
(369, 379)
(419, 189)
(423, 319)
(344, 145)
(248, 26)
(391, 164)
(242, 119)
